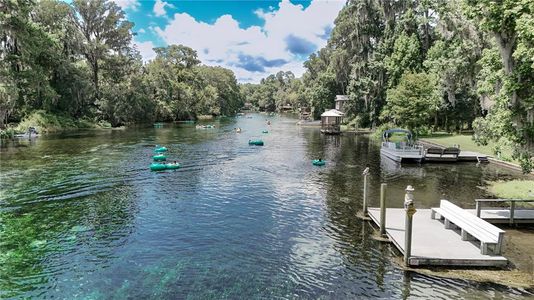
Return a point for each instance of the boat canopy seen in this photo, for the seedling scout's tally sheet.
(388, 133)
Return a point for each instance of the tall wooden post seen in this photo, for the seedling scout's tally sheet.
(365, 173)
(410, 211)
(383, 209)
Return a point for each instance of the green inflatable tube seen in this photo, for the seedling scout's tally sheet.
(160, 149)
(159, 157)
(161, 167)
(157, 167)
(317, 162)
(255, 142)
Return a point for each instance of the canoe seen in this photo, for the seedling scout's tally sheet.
(317, 162)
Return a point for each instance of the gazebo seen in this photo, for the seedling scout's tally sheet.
(340, 102)
(331, 121)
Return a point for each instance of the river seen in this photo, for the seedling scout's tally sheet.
(82, 216)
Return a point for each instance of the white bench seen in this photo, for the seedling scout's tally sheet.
(470, 226)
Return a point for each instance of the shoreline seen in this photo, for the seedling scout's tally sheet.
(491, 159)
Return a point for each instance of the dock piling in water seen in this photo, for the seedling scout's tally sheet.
(365, 173)
(410, 211)
(383, 187)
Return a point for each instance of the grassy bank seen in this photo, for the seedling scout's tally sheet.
(514, 189)
(467, 143)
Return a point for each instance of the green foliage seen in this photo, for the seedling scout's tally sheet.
(7, 133)
(413, 102)
(274, 92)
(406, 57)
(77, 61)
(377, 134)
(512, 117)
(47, 122)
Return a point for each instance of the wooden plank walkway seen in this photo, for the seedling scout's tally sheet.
(432, 244)
(471, 156)
(502, 216)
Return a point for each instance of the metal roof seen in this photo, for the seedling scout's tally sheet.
(332, 113)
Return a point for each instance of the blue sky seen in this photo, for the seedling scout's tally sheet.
(252, 38)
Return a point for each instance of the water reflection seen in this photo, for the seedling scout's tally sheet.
(81, 216)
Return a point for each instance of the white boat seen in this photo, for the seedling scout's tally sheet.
(401, 151)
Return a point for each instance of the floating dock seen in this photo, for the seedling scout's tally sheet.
(432, 244)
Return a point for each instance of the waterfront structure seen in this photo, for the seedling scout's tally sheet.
(403, 150)
(331, 121)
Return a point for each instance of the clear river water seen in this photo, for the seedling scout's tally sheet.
(83, 217)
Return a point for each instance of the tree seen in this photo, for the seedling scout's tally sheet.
(105, 32)
(509, 22)
(413, 102)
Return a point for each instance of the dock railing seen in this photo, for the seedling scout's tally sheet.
(480, 202)
(403, 147)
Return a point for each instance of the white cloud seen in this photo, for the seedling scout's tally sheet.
(146, 49)
(141, 30)
(290, 33)
(159, 8)
(127, 4)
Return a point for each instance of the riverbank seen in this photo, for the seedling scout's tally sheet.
(45, 122)
(466, 142)
(469, 145)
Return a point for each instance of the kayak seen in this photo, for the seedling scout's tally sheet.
(255, 142)
(159, 157)
(317, 162)
(161, 167)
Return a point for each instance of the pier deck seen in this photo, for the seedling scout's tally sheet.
(470, 156)
(432, 244)
(502, 216)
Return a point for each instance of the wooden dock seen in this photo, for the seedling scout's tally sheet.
(432, 244)
(506, 212)
(471, 156)
(432, 156)
(502, 216)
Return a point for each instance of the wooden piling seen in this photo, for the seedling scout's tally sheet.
(364, 210)
(410, 211)
(383, 187)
